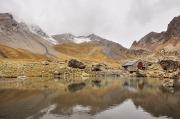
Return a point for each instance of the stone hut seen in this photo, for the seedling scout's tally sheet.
(135, 65)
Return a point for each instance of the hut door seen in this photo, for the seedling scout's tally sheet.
(140, 65)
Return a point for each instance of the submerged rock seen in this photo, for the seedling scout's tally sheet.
(76, 64)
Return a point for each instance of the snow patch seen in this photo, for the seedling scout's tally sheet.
(81, 40)
(38, 31)
(51, 40)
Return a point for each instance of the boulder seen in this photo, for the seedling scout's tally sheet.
(99, 67)
(76, 64)
(45, 62)
(170, 65)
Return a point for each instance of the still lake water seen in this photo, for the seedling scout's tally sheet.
(129, 99)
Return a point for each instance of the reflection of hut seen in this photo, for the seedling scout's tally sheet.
(133, 66)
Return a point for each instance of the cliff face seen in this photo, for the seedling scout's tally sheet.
(20, 36)
(168, 40)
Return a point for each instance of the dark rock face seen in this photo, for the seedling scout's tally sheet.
(76, 86)
(76, 64)
(7, 23)
(5, 16)
(170, 65)
(173, 29)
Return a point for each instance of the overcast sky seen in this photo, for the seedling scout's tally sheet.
(122, 21)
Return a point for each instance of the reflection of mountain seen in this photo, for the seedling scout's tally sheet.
(159, 104)
(21, 104)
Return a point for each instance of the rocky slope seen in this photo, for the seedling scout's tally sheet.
(30, 41)
(21, 36)
(91, 47)
(168, 40)
(12, 53)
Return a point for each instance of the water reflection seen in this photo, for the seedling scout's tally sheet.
(112, 101)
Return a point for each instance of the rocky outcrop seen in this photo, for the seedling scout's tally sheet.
(169, 40)
(170, 65)
(173, 29)
(76, 64)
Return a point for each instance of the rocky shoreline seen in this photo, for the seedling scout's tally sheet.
(166, 70)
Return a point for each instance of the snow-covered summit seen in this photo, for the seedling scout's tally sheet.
(37, 30)
(67, 37)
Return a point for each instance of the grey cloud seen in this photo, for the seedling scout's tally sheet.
(122, 21)
(144, 11)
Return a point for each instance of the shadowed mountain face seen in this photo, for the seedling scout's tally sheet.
(20, 36)
(169, 40)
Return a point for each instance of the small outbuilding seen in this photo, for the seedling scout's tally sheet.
(133, 66)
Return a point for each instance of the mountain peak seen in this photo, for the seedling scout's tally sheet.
(173, 29)
(7, 23)
(5, 16)
(68, 37)
(156, 41)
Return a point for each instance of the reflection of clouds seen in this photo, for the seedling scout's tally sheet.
(144, 11)
(79, 108)
(43, 112)
(126, 110)
(48, 109)
(102, 103)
